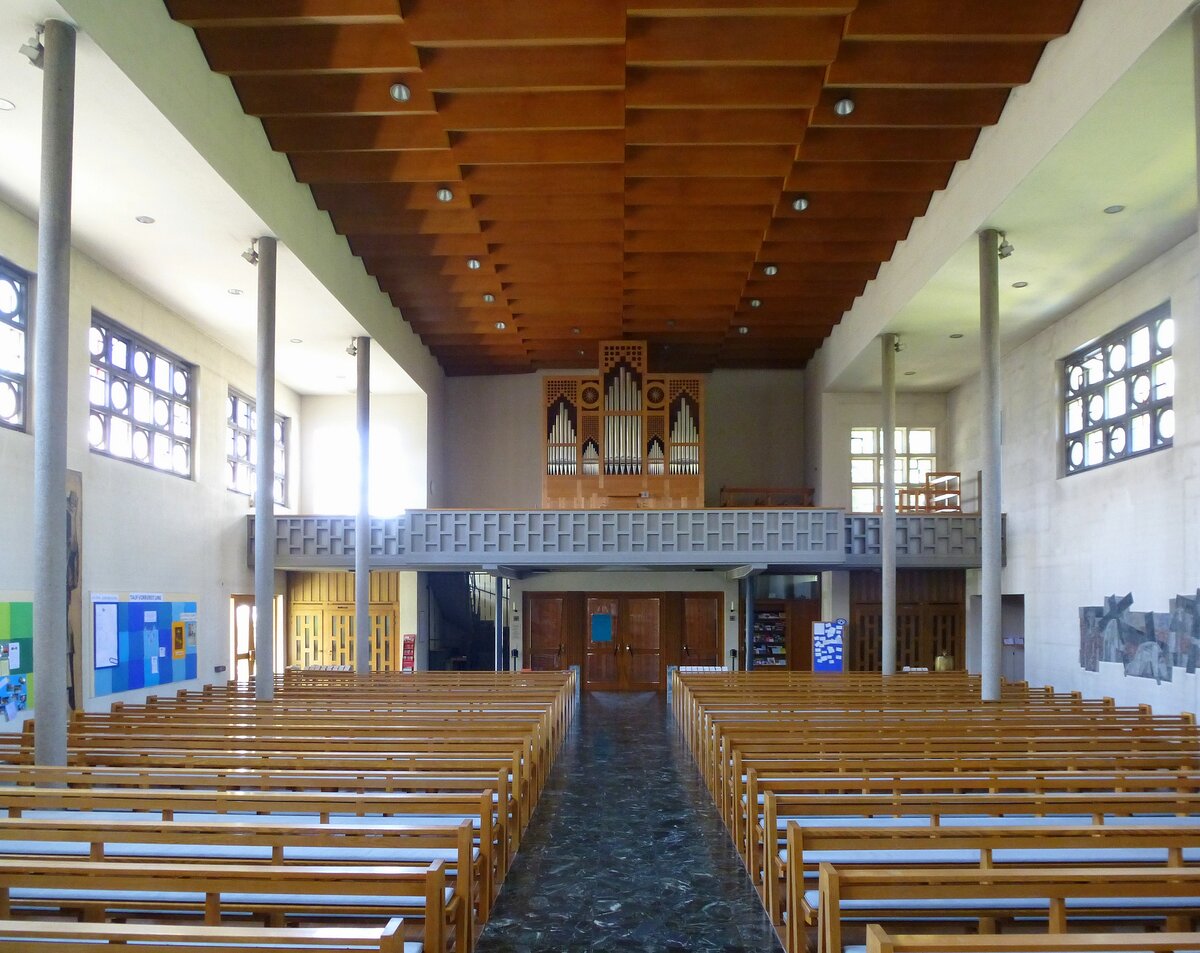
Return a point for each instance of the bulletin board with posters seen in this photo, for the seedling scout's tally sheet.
(141, 640)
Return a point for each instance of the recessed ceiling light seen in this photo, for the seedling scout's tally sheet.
(6, 105)
(400, 92)
(235, 291)
(743, 330)
(474, 264)
(800, 204)
(756, 302)
(670, 322)
(297, 341)
(910, 373)
(500, 325)
(574, 330)
(770, 270)
(444, 195)
(1114, 209)
(955, 336)
(581, 352)
(144, 220)
(1020, 284)
(488, 297)
(844, 107)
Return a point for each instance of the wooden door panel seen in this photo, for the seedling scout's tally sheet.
(701, 629)
(545, 617)
(306, 647)
(601, 666)
(802, 613)
(642, 643)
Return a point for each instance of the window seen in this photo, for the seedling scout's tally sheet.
(14, 325)
(1118, 394)
(141, 400)
(242, 447)
(915, 458)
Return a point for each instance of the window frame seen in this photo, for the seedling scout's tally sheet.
(233, 430)
(1128, 375)
(20, 321)
(107, 411)
(906, 455)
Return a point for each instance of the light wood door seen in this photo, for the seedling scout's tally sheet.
(640, 667)
(546, 617)
(242, 636)
(602, 672)
(324, 635)
(701, 629)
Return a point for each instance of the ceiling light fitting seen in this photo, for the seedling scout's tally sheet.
(488, 297)
(756, 302)
(910, 373)
(800, 204)
(399, 92)
(956, 335)
(1020, 284)
(144, 220)
(574, 330)
(743, 329)
(444, 195)
(6, 105)
(1006, 247)
(844, 106)
(500, 325)
(234, 291)
(297, 340)
(1114, 209)
(352, 347)
(770, 270)
(251, 253)
(474, 264)
(33, 49)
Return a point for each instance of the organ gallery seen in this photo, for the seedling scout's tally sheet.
(624, 438)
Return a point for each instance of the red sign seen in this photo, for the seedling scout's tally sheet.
(408, 654)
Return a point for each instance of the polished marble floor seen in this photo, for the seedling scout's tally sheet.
(625, 851)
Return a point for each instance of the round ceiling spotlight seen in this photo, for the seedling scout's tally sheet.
(956, 335)
(770, 270)
(1114, 210)
(444, 195)
(1020, 284)
(910, 373)
(574, 330)
(235, 291)
(844, 106)
(800, 204)
(670, 322)
(756, 302)
(474, 264)
(399, 92)
(500, 325)
(488, 297)
(144, 220)
(743, 329)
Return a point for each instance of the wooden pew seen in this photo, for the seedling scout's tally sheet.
(880, 941)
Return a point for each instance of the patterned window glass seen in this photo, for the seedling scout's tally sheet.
(915, 457)
(242, 444)
(141, 399)
(1118, 394)
(14, 327)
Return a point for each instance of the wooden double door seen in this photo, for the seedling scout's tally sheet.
(622, 641)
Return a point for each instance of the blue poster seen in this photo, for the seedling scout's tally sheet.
(829, 645)
(602, 627)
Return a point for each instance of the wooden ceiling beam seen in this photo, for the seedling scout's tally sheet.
(510, 252)
(539, 146)
(196, 13)
(565, 306)
(524, 68)
(355, 133)
(781, 315)
(889, 145)
(892, 106)
(575, 109)
(822, 271)
(318, 49)
(418, 166)
(387, 222)
(716, 241)
(847, 204)
(715, 126)
(492, 23)
(1038, 20)
(703, 191)
(729, 262)
(538, 270)
(838, 230)
(719, 161)
(745, 87)
(722, 281)
(341, 94)
(729, 41)
(784, 252)
(654, 217)
(545, 180)
(588, 231)
(869, 176)
(904, 63)
(417, 248)
(680, 299)
(548, 207)
(389, 197)
(661, 314)
(739, 8)
(774, 293)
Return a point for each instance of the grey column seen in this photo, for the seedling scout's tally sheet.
(362, 524)
(50, 340)
(887, 521)
(264, 473)
(748, 621)
(989, 509)
(500, 659)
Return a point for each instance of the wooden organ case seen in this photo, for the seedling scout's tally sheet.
(625, 439)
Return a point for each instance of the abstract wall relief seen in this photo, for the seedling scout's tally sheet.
(1148, 644)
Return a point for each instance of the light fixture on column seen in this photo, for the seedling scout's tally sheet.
(251, 253)
(33, 49)
(352, 349)
(1006, 247)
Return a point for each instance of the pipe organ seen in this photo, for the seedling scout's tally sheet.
(624, 438)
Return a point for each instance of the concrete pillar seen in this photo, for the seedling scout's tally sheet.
(748, 622)
(989, 507)
(362, 524)
(887, 521)
(50, 407)
(264, 473)
(501, 660)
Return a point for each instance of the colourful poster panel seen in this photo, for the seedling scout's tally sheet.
(16, 658)
(136, 644)
(829, 646)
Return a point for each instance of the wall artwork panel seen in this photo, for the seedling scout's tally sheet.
(16, 657)
(142, 640)
(1148, 644)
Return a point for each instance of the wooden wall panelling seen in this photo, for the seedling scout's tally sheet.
(321, 619)
(930, 618)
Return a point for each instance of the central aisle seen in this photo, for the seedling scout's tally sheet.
(625, 851)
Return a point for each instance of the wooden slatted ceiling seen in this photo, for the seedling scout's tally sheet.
(624, 167)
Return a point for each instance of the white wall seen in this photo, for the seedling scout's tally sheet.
(754, 436)
(329, 454)
(644, 581)
(1130, 527)
(142, 530)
